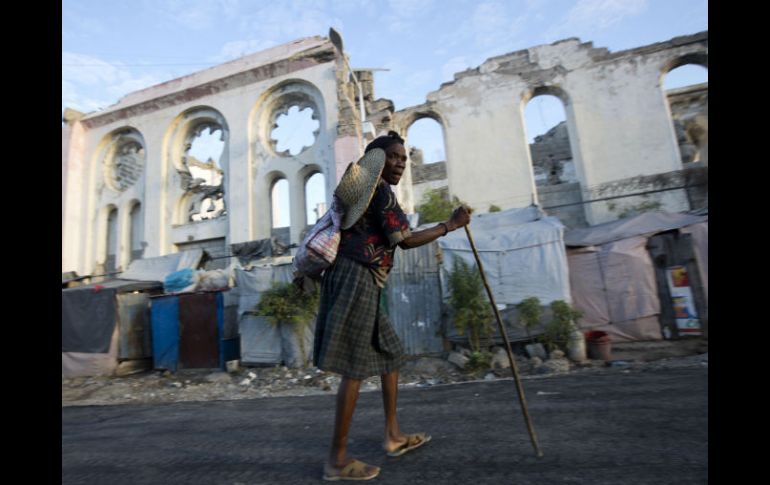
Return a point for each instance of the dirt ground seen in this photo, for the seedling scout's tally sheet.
(257, 382)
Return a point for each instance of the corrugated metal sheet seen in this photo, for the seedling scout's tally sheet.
(165, 332)
(413, 299)
(187, 332)
(198, 342)
(134, 326)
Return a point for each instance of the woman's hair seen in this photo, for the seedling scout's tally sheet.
(385, 141)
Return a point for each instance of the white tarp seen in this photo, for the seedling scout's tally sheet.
(522, 252)
(156, 269)
(645, 224)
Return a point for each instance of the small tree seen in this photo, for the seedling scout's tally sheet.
(529, 313)
(285, 304)
(494, 208)
(557, 332)
(436, 207)
(470, 306)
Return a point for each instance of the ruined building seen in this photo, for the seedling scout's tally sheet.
(132, 188)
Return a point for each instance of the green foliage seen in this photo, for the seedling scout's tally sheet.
(478, 361)
(435, 207)
(558, 330)
(471, 307)
(529, 313)
(284, 303)
(494, 208)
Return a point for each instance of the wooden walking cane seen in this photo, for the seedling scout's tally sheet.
(515, 370)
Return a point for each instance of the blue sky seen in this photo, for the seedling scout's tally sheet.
(111, 47)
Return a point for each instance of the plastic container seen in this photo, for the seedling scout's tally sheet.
(599, 347)
(576, 346)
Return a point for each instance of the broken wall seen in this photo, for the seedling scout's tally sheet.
(618, 120)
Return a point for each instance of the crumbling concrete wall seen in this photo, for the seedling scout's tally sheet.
(243, 98)
(617, 118)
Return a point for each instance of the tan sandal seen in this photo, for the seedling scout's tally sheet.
(355, 470)
(412, 441)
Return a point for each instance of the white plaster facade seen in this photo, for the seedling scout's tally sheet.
(243, 98)
(617, 113)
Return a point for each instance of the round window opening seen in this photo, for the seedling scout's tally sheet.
(126, 165)
(295, 130)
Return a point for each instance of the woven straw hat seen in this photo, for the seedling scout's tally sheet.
(357, 185)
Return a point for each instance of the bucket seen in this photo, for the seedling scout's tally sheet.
(598, 345)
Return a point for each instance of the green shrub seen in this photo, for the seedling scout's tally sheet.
(529, 313)
(285, 304)
(478, 361)
(436, 207)
(494, 208)
(557, 332)
(470, 305)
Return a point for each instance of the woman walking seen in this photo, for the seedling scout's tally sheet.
(354, 338)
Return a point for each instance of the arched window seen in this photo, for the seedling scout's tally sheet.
(426, 142)
(315, 197)
(281, 211)
(137, 232)
(548, 123)
(112, 240)
(203, 161)
(548, 140)
(686, 88)
(425, 148)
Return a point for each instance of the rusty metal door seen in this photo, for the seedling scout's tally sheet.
(198, 335)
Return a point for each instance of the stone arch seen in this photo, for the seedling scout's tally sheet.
(276, 101)
(265, 160)
(304, 176)
(135, 237)
(122, 157)
(688, 110)
(193, 195)
(420, 178)
(698, 58)
(560, 173)
(107, 242)
(273, 179)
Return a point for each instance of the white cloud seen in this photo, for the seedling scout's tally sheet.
(592, 15)
(488, 25)
(104, 82)
(405, 15)
(195, 14)
(288, 21)
(74, 25)
(494, 26)
(240, 48)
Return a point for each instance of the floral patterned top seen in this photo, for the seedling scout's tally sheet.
(372, 240)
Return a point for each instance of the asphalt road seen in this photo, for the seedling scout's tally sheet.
(633, 427)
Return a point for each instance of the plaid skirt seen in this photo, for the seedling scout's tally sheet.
(353, 336)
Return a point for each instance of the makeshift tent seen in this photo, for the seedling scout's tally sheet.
(106, 325)
(523, 254)
(613, 278)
